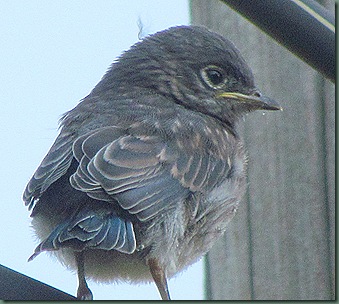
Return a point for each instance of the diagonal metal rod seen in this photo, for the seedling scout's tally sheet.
(304, 27)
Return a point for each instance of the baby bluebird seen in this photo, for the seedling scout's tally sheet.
(148, 169)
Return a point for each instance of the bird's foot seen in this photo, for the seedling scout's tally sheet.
(84, 293)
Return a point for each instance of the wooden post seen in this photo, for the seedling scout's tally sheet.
(280, 245)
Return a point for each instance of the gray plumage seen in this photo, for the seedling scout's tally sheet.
(148, 168)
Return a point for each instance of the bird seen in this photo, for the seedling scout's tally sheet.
(149, 168)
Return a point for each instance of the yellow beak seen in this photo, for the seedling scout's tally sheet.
(262, 102)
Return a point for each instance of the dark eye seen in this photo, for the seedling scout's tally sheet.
(213, 76)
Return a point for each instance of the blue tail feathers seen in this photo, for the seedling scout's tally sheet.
(92, 228)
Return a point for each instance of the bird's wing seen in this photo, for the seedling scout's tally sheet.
(53, 166)
(144, 174)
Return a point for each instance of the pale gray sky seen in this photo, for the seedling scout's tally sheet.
(52, 54)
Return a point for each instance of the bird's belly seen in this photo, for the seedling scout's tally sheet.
(109, 266)
(221, 206)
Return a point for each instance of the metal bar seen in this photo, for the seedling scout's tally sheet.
(15, 286)
(303, 26)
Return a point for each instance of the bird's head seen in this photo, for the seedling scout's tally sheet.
(191, 66)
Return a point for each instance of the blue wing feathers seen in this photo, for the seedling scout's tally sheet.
(139, 175)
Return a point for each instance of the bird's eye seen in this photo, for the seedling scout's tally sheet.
(213, 76)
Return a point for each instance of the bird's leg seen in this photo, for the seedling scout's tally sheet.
(83, 292)
(159, 278)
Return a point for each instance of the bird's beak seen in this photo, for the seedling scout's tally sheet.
(260, 102)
